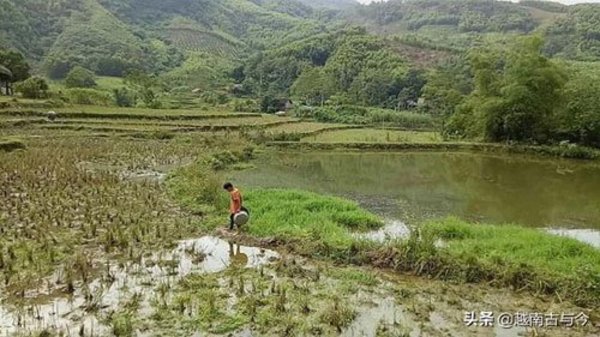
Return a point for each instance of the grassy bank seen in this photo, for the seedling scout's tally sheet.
(502, 255)
(315, 220)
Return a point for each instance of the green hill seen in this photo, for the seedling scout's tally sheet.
(570, 31)
(576, 35)
(111, 36)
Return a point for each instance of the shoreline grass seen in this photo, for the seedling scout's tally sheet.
(496, 244)
(292, 215)
(507, 256)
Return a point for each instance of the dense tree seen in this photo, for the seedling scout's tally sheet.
(16, 63)
(80, 77)
(349, 59)
(576, 35)
(348, 63)
(313, 86)
(516, 94)
(33, 87)
(412, 88)
(447, 86)
(580, 120)
(467, 15)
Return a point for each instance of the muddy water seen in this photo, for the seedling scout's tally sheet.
(412, 187)
(532, 192)
(120, 283)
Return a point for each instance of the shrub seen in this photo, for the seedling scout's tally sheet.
(214, 98)
(33, 87)
(124, 97)
(80, 77)
(150, 99)
(246, 105)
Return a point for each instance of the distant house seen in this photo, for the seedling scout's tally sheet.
(5, 81)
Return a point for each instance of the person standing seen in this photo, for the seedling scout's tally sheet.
(235, 204)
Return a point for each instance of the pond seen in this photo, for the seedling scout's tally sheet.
(412, 187)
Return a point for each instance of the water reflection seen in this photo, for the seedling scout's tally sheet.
(588, 236)
(124, 282)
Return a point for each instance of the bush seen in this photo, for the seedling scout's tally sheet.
(124, 97)
(342, 114)
(80, 77)
(88, 97)
(33, 87)
(150, 99)
(214, 98)
(247, 105)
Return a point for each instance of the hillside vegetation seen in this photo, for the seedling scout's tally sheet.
(570, 31)
(450, 65)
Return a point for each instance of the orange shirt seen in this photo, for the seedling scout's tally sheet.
(236, 201)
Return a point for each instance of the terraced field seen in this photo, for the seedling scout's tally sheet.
(374, 136)
(201, 41)
(304, 127)
(136, 121)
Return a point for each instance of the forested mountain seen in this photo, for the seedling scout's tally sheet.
(570, 31)
(110, 36)
(335, 4)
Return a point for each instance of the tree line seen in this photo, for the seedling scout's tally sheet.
(516, 94)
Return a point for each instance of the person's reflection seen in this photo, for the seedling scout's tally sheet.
(236, 257)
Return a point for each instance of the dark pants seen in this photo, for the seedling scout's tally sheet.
(231, 223)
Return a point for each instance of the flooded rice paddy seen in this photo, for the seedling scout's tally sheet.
(277, 293)
(121, 282)
(562, 196)
(212, 287)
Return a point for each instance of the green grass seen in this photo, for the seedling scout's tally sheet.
(109, 83)
(497, 245)
(506, 256)
(374, 136)
(308, 217)
(302, 127)
(105, 83)
(321, 226)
